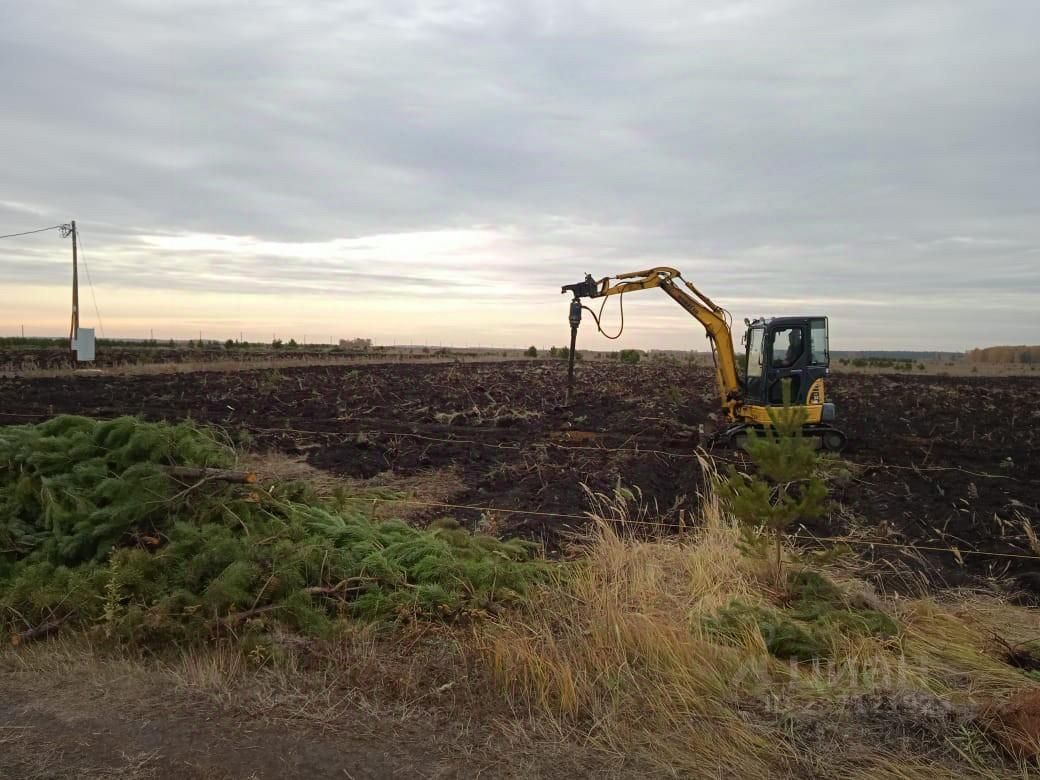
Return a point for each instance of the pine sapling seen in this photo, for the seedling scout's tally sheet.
(786, 487)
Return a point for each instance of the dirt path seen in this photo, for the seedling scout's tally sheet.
(352, 709)
(121, 731)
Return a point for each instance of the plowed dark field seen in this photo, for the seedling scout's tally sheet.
(948, 463)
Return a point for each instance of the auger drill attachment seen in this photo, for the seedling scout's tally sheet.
(581, 290)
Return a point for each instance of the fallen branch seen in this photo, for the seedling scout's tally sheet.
(239, 617)
(40, 631)
(221, 475)
(938, 468)
(204, 475)
(343, 586)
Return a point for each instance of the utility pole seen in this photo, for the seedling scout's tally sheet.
(66, 231)
(74, 327)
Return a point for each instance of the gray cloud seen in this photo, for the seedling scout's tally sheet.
(773, 150)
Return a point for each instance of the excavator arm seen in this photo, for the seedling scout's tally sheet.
(712, 316)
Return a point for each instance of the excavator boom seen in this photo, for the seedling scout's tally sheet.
(713, 317)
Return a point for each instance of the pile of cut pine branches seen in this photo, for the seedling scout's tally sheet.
(143, 532)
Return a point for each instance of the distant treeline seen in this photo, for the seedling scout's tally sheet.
(1022, 354)
(895, 354)
(34, 342)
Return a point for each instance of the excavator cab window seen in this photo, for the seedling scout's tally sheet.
(788, 350)
(755, 362)
(788, 346)
(821, 351)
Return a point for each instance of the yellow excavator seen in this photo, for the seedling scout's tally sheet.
(780, 350)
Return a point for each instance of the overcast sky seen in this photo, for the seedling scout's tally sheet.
(433, 171)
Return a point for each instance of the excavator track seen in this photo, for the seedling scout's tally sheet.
(828, 438)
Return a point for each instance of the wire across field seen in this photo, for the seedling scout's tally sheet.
(943, 468)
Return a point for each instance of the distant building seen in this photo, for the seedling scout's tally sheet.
(355, 343)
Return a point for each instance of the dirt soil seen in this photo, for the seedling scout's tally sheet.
(946, 462)
(86, 714)
(156, 735)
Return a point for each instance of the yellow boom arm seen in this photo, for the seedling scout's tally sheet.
(712, 316)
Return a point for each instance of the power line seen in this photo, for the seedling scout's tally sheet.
(659, 525)
(493, 445)
(487, 509)
(67, 229)
(29, 232)
(915, 547)
(90, 283)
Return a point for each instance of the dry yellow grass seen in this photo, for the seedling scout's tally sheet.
(617, 649)
(950, 648)
(385, 495)
(617, 654)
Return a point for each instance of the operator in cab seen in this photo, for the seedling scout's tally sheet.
(795, 345)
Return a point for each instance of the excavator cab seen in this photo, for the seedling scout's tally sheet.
(791, 348)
